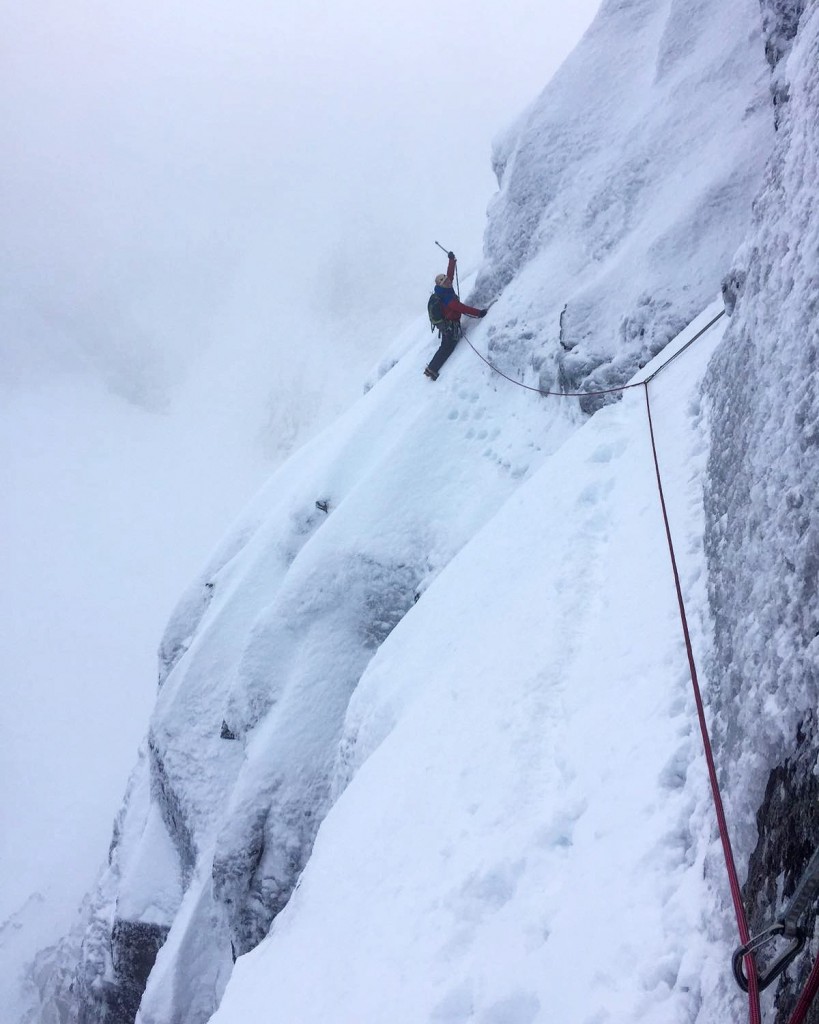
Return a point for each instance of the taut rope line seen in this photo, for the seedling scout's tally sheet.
(605, 391)
(755, 1012)
(745, 953)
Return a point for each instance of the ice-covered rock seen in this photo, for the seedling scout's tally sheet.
(423, 626)
(763, 497)
(608, 231)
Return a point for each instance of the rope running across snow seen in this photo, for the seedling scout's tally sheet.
(755, 1013)
(811, 986)
(604, 391)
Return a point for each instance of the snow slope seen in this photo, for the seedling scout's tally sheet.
(109, 507)
(603, 238)
(527, 824)
(471, 660)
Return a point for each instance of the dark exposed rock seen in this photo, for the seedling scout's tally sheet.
(780, 24)
(254, 881)
(107, 985)
(134, 946)
(389, 598)
(172, 809)
(788, 825)
(762, 509)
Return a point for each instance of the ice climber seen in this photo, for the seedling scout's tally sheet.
(445, 310)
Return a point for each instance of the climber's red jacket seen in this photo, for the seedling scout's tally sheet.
(453, 307)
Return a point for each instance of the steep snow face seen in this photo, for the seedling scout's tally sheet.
(322, 642)
(763, 495)
(525, 833)
(615, 188)
(259, 662)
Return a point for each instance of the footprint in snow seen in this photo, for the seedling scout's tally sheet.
(468, 396)
(607, 452)
(456, 1007)
(520, 1008)
(593, 493)
(491, 889)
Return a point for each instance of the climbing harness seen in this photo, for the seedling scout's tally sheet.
(748, 977)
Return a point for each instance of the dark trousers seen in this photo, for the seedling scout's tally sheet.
(450, 332)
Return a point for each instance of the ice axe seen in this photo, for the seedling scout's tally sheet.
(457, 279)
(448, 251)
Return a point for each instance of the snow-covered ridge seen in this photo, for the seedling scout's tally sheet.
(454, 705)
(525, 833)
(602, 237)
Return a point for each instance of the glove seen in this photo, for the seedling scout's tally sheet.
(483, 313)
(450, 255)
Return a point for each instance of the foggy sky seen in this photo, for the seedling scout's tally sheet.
(224, 212)
(178, 173)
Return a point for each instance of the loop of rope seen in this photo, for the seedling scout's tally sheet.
(604, 391)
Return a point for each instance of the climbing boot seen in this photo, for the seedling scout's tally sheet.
(431, 374)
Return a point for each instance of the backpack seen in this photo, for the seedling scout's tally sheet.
(435, 309)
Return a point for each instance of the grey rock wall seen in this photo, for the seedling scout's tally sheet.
(762, 500)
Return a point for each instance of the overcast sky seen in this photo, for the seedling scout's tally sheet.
(179, 172)
(223, 211)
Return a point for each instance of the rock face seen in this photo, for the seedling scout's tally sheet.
(763, 496)
(624, 193)
(134, 946)
(593, 222)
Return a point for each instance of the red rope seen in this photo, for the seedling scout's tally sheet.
(811, 987)
(606, 391)
(539, 391)
(807, 995)
(730, 865)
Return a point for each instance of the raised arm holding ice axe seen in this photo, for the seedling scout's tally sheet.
(445, 309)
